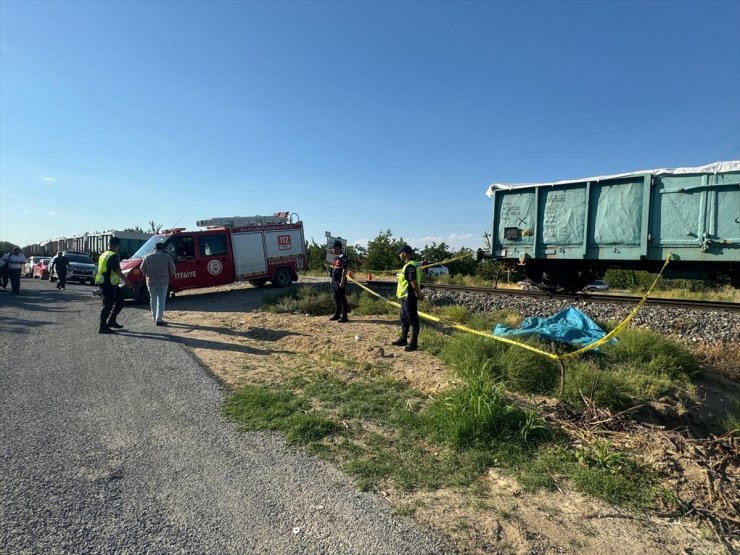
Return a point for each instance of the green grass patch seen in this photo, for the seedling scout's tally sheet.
(271, 408)
(368, 305)
(649, 353)
(308, 299)
(599, 470)
(641, 367)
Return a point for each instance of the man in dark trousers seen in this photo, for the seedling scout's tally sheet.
(409, 293)
(338, 273)
(16, 260)
(60, 263)
(108, 277)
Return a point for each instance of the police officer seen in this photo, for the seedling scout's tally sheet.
(409, 293)
(338, 274)
(109, 276)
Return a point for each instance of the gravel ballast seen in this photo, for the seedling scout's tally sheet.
(688, 325)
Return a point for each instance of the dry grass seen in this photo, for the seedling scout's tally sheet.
(722, 358)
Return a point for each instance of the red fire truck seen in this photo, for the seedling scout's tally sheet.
(257, 249)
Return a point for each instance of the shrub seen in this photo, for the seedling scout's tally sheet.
(474, 413)
(367, 304)
(456, 313)
(528, 371)
(650, 353)
(469, 354)
(579, 379)
(320, 302)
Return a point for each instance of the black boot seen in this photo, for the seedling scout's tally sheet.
(335, 317)
(104, 328)
(344, 319)
(401, 341)
(413, 344)
(113, 324)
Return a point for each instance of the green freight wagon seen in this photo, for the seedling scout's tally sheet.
(565, 234)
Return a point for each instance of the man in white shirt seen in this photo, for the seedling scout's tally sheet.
(16, 260)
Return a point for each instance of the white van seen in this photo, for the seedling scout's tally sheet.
(437, 271)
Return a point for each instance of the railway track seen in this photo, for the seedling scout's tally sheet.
(595, 298)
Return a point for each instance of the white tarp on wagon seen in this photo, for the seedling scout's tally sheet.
(714, 168)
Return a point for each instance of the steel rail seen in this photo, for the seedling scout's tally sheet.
(581, 296)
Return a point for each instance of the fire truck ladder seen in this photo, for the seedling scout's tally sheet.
(239, 221)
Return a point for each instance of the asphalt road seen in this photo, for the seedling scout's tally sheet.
(112, 444)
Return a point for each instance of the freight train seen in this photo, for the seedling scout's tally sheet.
(565, 234)
(93, 244)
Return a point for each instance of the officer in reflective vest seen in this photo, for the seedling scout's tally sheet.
(109, 277)
(409, 293)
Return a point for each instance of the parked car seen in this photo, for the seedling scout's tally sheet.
(30, 263)
(527, 285)
(41, 269)
(598, 285)
(81, 268)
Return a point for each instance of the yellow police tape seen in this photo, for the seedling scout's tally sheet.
(616, 331)
(424, 267)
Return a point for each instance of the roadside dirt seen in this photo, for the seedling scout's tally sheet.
(226, 331)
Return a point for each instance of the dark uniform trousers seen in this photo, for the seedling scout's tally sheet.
(341, 306)
(410, 316)
(112, 303)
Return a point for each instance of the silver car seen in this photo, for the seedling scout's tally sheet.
(598, 285)
(81, 268)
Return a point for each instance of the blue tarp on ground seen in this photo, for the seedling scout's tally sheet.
(569, 326)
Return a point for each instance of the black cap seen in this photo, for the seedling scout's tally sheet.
(338, 243)
(406, 249)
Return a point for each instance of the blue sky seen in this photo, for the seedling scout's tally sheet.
(358, 116)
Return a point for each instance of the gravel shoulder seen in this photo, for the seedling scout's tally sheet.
(116, 443)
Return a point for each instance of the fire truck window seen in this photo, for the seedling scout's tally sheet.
(185, 248)
(212, 245)
(170, 248)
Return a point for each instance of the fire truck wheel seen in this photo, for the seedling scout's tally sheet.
(258, 282)
(282, 278)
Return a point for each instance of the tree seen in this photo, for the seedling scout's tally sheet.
(316, 256)
(154, 227)
(435, 252)
(6, 246)
(466, 266)
(356, 256)
(382, 252)
(135, 229)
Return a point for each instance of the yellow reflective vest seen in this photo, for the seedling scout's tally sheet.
(103, 267)
(402, 291)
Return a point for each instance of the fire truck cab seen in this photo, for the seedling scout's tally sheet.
(257, 249)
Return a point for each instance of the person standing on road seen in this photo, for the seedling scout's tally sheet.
(60, 263)
(108, 277)
(4, 269)
(409, 293)
(158, 266)
(16, 260)
(338, 272)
